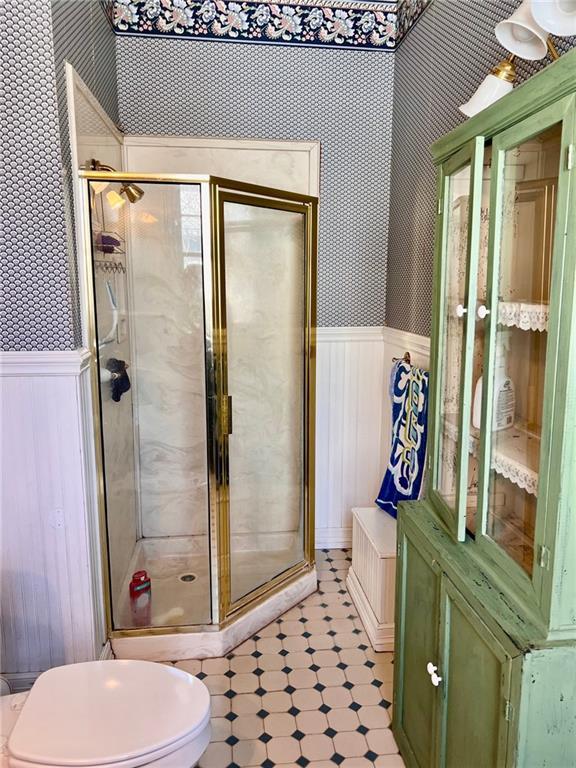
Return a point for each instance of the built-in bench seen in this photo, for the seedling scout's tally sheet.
(371, 578)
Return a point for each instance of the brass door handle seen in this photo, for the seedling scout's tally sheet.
(226, 414)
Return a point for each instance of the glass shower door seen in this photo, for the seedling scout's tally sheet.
(266, 307)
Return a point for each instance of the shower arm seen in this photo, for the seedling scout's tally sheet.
(96, 165)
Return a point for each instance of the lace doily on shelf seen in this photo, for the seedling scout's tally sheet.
(528, 317)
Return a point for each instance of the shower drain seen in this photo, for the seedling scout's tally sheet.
(188, 577)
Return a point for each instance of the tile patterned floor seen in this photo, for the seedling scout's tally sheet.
(307, 690)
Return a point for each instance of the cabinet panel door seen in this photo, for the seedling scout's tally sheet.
(417, 614)
(476, 673)
(523, 319)
(454, 301)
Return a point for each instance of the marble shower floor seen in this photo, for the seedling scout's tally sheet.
(307, 690)
(176, 602)
(252, 568)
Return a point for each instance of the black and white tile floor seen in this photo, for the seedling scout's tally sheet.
(307, 690)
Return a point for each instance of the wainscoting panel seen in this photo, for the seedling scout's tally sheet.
(51, 590)
(353, 420)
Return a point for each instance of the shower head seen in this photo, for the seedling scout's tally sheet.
(132, 191)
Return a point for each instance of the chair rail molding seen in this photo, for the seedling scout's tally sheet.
(353, 420)
(50, 550)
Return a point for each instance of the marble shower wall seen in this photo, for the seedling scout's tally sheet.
(168, 351)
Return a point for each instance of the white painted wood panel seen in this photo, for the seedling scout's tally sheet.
(51, 593)
(353, 420)
(374, 559)
(349, 447)
(396, 343)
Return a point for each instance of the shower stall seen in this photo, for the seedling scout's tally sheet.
(201, 314)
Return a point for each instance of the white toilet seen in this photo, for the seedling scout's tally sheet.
(112, 714)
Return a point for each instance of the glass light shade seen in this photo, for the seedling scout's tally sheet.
(99, 186)
(490, 90)
(556, 16)
(114, 199)
(521, 35)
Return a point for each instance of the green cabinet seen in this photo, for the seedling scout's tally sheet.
(452, 670)
(418, 610)
(477, 670)
(487, 560)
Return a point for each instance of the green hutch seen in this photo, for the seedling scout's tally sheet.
(485, 671)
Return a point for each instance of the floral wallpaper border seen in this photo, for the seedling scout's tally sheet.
(321, 23)
(408, 13)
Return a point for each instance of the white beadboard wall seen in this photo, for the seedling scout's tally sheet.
(50, 593)
(353, 420)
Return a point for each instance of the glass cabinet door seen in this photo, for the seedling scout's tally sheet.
(527, 243)
(456, 281)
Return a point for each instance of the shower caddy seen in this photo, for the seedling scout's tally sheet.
(485, 671)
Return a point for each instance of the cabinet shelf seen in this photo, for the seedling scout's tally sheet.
(523, 315)
(515, 455)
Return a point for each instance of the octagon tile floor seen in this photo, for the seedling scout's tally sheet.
(307, 690)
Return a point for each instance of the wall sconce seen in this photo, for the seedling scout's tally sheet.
(526, 35)
(557, 16)
(495, 85)
(521, 35)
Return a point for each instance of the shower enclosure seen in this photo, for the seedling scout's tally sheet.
(201, 307)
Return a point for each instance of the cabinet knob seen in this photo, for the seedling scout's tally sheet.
(461, 310)
(482, 311)
(434, 678)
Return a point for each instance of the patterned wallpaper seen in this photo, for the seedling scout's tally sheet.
(437, 68)
(375, 25)
(35, 311)
(82, 36)
(342, 99)
(39, 286)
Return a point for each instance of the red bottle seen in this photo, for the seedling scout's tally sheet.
(141, 599)
(140, 584)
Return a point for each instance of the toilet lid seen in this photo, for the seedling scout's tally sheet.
(102, 712)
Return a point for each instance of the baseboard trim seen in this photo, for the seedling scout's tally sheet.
(333, 538)
(380, 635)
(20, 681)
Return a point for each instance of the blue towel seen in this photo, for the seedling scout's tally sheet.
(403, 478)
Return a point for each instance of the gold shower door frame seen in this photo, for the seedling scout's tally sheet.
(215, 192)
